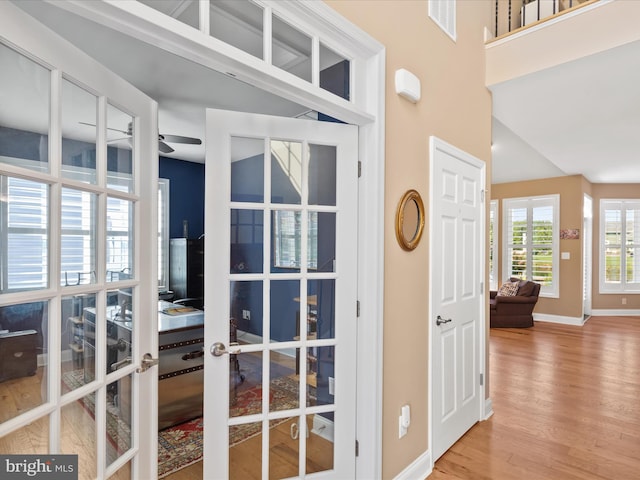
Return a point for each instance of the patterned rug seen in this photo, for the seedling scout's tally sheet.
(181, 445)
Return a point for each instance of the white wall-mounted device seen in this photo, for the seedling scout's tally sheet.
(404, 421)
(407, 85)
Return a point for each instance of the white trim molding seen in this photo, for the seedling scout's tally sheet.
(421, 467)
(612, 312)
(564, 320)
(488, 409)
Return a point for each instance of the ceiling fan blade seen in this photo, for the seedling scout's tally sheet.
(164, 148)
(180, 139)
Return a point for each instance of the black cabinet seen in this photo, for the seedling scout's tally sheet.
(186, 267)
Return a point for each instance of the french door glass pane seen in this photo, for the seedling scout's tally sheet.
(24, 111)
(246, 241)
(287, 238)
(245, 458)
(286, 172)
(239, 24)
(291, 49)
(321, 309)
(120, 142)
(118, 418)
(319, 449)
(78, 434)
(37, 434)
(78, 241)
(246, 311)
(322, 175)
(247, 169)
(77, 342)
(79, 132)
(321, 241)
(119, 239)
(23, 340)
(284, 447)
(24, 229)
(284, 311)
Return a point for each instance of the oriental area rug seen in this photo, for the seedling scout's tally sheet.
(181, 445)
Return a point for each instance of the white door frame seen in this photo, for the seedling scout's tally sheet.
(366, 109)
(485, 410)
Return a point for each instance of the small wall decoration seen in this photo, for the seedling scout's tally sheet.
(570, 234)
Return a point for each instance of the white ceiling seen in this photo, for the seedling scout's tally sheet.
(582, 117)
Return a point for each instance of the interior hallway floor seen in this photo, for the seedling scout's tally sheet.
(566, 404)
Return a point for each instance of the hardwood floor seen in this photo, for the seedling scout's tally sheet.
(566, 404)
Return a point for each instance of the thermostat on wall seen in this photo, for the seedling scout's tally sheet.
(407, 85)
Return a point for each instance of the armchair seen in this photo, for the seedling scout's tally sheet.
(514, 311)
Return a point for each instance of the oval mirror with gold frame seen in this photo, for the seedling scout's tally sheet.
(410, 220)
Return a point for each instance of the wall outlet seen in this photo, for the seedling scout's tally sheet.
(246, 314)
(332, 385)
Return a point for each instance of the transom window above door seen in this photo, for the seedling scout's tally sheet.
(259, 30)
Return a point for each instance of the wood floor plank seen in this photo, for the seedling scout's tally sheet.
(566, 406)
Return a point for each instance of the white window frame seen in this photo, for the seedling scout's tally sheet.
(443, 12)
(163, 233)
(623, 205)
(529, 203)
(493, 244)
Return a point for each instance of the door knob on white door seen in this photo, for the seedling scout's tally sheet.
(440, 320)
(218, 349)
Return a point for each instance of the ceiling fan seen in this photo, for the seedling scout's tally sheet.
(162, 146)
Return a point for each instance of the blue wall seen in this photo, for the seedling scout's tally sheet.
(186, 196)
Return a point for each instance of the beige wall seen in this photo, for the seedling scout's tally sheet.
(609, 301)
(571, 190)
(456, 107)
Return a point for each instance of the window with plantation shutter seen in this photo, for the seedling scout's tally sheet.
(531, 243)
(619, 246)
(443, 12)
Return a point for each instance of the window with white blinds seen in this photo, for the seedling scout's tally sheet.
(530, 241)
(493, 245)
(619, 246)
(443, 12)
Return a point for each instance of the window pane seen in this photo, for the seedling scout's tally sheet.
(286, 172)
(24, 229)
(239, 24)
(185, 12)
(119, 239)
(78, 241)
(518, 226)
(518, 262)
(163, 234)
(334, 72)
(613, 227)
(542, 225)
(291, 49)
(79, 114)
(612, 264)
(633, 265)
(24, 111)
(542, 271)
(120, 141)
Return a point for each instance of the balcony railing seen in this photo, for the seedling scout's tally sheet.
(513, 15)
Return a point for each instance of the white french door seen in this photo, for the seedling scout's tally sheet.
(280, 302)
(457, 253)
(78, 257)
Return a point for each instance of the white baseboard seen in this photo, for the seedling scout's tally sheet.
(323, 427)
(614, 313)
(421, 467)
(544, 317)
(488, 409)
